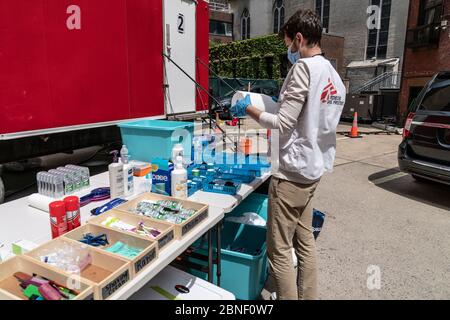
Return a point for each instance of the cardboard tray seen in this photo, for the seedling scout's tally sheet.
(139, 263)
(107, 272)
(9, 286)
(180, 229)
(166, 229)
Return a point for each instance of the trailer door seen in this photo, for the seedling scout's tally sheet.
(180, 45)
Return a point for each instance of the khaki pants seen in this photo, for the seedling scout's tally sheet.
(290, 226)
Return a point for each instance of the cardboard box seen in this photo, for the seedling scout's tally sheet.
(9, 285)
(149, 248)
(107, 271)
(166, 229)
(180, 229)
(23, 246)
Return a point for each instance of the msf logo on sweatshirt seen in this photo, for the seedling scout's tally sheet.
(330, 95)
(328, 91)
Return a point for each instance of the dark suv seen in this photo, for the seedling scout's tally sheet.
(425, 149)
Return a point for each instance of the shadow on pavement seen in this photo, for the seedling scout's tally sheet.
(431, 193)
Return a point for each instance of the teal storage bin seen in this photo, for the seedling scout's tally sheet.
(149, 139)
(243, 273)
(255, 202)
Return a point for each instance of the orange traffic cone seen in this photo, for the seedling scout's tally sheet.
(246, 145)
(354, 131)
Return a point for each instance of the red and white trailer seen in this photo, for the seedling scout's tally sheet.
(72, 66)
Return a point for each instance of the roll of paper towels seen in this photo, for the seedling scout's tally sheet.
(40, 202)
(261, 101)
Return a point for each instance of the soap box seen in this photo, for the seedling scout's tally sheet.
(161, 179)
(23, 246)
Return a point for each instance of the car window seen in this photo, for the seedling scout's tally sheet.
(437, 98)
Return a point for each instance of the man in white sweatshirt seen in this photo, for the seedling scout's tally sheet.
(311, 102)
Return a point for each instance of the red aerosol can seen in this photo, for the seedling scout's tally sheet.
(72, 212)
(58, 218)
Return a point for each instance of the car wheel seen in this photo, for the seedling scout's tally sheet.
(2, 191)
(420, 179)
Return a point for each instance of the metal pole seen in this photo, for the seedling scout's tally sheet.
(210, 257)
(219, 252)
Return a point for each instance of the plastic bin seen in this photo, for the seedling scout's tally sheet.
(255, 202)
(149, 139)
(243, 273)
(171, 284)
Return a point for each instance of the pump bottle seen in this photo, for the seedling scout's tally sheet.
(116, 177)
(128, 178)
(179, 180)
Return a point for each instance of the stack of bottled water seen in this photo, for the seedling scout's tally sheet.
(57, 183)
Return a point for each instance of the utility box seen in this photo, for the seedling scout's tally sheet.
(371, 107)
(361, 103)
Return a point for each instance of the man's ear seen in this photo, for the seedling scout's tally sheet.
(300, 39)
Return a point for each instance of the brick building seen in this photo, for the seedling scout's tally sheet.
(220, 22)
(254, 18)
(427, 47)
(368, 55)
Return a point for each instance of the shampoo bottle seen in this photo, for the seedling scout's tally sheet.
(179, 180)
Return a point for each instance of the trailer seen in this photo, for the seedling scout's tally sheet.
(71, 70)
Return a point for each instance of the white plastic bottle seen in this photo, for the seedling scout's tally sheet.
(177, 150)
(116, 178)
(128, 178)
(198, 151)
(179, 180)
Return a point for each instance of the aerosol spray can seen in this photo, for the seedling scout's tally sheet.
(58, 220)
(72, 212)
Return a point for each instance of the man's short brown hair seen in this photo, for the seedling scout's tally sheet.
(307, 23)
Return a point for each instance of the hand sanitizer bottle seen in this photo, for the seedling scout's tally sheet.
(179, 180)
(116, 177)
(128, 178)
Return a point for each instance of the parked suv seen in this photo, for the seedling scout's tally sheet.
(425, 149)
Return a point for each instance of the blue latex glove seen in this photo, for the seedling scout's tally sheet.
(240, 108)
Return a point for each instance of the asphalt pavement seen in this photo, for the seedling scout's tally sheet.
(386, 236)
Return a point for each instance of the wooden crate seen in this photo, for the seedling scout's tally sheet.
(180, 229)
(139, 263)
(107, 271)
(9, 285)
(166, 229)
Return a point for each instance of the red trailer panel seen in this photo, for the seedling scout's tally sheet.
(54, 76)
(202, 54)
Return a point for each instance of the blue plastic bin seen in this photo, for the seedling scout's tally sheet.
(255, 202)
(149, 139)
(243, 273)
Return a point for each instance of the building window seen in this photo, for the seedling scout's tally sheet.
(427, 32)
(377, 42)
(278, 16)
(220, 28)
(245, 25)
(323, 10)
(430, 12)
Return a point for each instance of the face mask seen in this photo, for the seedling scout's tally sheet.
(293, 57)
